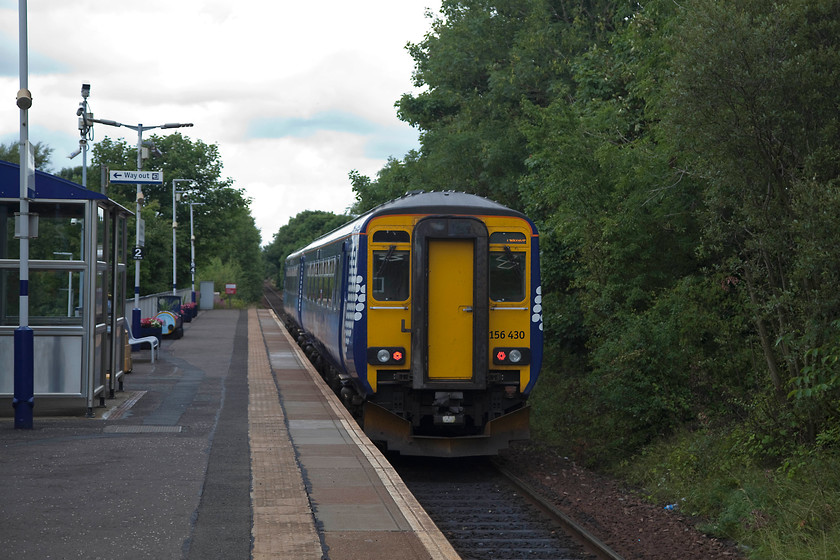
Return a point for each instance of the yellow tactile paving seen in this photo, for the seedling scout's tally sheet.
(283, 525)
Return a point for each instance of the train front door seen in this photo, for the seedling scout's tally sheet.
(450, 342)
(449, 303)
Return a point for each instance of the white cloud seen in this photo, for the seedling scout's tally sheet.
(233, 69)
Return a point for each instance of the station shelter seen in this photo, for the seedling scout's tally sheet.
(77, 286)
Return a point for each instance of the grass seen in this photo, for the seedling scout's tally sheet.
(786, 512)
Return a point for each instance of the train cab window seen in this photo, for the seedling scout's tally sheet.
(507, 275)
(508, 238)
(391, 236)
(391, 274)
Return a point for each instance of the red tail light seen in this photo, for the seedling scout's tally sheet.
(511, 356)
(386, 356)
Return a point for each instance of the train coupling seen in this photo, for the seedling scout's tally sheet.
(448, 409)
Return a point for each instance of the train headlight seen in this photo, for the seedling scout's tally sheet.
(511, 356)
(386, 356)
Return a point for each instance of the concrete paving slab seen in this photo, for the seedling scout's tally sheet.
(357, 517)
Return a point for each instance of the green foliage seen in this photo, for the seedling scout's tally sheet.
(220, 273)
(11, 152)
(751, 107)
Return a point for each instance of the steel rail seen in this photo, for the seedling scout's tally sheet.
(589, 541)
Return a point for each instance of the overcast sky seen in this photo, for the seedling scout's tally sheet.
(295, 94)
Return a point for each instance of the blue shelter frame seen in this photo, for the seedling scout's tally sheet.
(77, 286)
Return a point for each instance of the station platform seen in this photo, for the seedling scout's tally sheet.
(229, 446)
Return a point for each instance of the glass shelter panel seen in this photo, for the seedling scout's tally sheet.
(60, 231)
(55, 297)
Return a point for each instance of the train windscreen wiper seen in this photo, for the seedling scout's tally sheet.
(517, 266)
(386, 260)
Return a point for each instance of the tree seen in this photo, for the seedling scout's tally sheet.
(752, 109)
(11, 152)
(483, 62)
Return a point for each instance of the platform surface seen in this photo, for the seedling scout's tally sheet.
(229, 446)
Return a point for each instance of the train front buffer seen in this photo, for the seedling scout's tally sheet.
(454, 340)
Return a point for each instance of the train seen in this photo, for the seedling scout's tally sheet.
(425, 315)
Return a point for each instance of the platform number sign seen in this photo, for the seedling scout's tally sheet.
(139, 253)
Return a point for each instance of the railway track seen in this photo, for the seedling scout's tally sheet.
(487, 512)
(272, 299)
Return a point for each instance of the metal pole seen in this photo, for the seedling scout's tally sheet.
(85, 125)
(24, 340)
(135, 313)
(84, 163)
(174, 252)
(192, 256)
(174, 228)
(192, 250)
(85, 130)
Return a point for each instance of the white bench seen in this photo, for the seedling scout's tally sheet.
(152, 341)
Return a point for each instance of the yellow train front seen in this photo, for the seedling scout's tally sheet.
(438, 338)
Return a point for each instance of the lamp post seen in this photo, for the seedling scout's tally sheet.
(192, 250)
(135, 313)
(85, 130)
(174, 229)
(24, 339)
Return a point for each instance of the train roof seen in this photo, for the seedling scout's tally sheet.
(419, 202)
(443, 202)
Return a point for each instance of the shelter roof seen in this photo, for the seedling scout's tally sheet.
(46, 185)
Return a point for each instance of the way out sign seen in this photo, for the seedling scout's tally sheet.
(230, 289)
(139, 177)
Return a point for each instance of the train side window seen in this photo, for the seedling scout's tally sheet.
(507, 275)
(391, 274)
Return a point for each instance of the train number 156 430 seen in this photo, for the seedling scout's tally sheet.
(502, 335)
